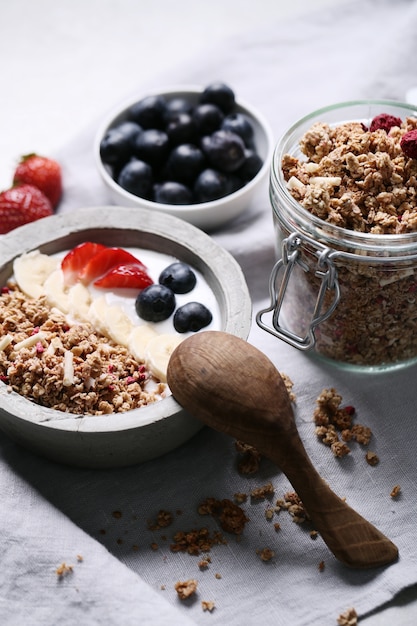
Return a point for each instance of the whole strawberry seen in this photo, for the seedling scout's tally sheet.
(20, 205)
(42, 172)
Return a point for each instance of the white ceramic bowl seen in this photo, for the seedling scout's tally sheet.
(205, 215)
(140, 434)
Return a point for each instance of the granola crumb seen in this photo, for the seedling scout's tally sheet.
(232, 518)
(289, 386)
(185, 589)
(314, 534)
(395, 492)
(154, 546)
(117, 514)
(321, 566)
(207, 605)
(250, 460)
(260, 493)
(269, 514)
(163, 519)
(240, 498)
(218, 576)
(348, 618)
(80, 558)
(277, 526)
(196, 541)
(371, 458)
(204, 563)
(64, 569)
(266, 554)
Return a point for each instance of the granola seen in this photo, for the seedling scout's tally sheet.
(360, 180)
(185, 589)
(334, 425)
(71, 369)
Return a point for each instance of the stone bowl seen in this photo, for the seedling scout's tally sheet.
(141, 434)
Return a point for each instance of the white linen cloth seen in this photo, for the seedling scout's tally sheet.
(52, 513)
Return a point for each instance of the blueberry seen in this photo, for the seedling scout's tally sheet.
(210, 185)
(192, 316)
(240, 124)
(116, 145)
(208, 118)
(149, 112)
(172, 192)
(251, 166)
(155, 303)
(220, 94)
(181, 128)
(152, 146)
(179, 277)
(176, 106)
(185, 163)
(224, 150)
(136, 177)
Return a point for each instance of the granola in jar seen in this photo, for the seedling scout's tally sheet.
(349, 189)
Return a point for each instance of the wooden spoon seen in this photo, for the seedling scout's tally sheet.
(234, 388)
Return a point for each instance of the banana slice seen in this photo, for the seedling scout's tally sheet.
(158, 352)
(97, 315)
(79, 300)
(139, 339)
(118, 325)
(55, 291)
(31, 270)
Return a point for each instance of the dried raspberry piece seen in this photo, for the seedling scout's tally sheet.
(408, 144)
(384, 121)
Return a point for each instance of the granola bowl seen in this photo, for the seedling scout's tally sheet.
(208, 214)
(343, 194)
(140, 434)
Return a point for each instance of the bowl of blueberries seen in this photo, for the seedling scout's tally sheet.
(196, 153)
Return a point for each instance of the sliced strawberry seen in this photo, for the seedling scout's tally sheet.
(104, 260)
(125, 276)
(76, 259)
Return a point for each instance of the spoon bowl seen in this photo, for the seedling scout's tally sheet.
(234, 388)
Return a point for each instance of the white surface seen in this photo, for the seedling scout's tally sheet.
(63, 66)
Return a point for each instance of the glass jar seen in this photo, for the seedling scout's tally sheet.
(349, 297)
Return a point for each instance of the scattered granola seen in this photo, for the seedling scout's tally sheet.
(331, 420)
(371, 458)
(207, 606)
(266, 554)
(260, 493)
(251, 458)
(348, 618)
(321, 566)
(204, 563)
(67, 368)
(196, 541)
(231, 517)
(295, 507)
(395, 492)
(164, 519)
(64, 569)
(185, 589)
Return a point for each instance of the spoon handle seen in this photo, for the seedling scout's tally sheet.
(351, 538)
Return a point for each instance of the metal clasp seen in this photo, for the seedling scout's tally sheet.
(277, 290)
